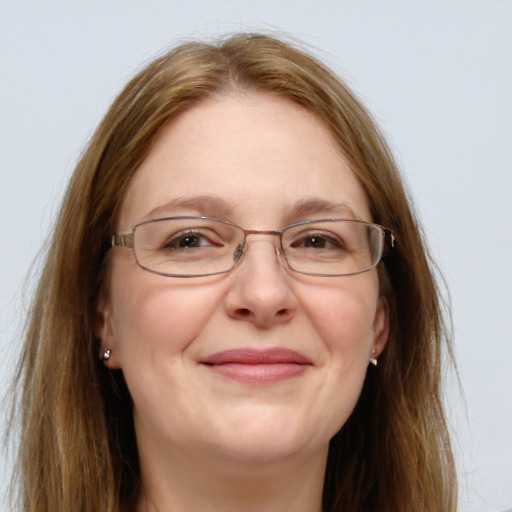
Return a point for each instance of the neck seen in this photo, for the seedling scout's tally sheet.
(209, 484)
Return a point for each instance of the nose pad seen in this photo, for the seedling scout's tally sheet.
(243, 248)
(239, 252)
(281, 256)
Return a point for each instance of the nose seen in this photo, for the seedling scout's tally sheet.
(260, 292)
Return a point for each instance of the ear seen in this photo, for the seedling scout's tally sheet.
(104, 332)
(380, 327)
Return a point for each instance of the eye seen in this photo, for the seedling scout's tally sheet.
(191, 239)
(317, 240)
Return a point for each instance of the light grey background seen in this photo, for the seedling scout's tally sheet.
(437, 75)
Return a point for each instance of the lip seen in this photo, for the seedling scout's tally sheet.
(252, 366)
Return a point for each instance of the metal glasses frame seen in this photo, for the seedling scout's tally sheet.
(128, 240)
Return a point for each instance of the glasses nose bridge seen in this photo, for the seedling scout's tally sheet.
(278, 234)
(248, 232)
(277, 244)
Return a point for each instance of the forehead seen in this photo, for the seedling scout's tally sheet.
(259, 154)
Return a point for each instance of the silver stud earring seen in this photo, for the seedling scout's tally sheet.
(108, 352)
(373, 360)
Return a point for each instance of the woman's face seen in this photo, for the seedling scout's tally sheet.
(261, 162)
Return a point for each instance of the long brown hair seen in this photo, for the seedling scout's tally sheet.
(77, 443)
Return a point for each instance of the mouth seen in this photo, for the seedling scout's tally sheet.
(250, 366)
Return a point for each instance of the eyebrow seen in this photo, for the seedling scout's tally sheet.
(211, 206)
(207, 206)
(315, 206)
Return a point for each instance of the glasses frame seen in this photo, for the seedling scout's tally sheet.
(128, 240)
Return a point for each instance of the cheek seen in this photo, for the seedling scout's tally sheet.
(153, 317)
(343, 316)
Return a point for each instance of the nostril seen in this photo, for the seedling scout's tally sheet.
(282, 312)
(244, 312)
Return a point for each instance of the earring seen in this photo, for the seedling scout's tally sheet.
(373, 360)
(108, 352)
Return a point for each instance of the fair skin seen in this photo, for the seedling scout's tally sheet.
(208, 441)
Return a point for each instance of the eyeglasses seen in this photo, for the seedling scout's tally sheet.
(203, 246)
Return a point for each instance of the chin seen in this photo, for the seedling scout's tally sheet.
(265, 436)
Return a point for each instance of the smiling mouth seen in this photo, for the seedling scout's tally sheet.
(251, 366)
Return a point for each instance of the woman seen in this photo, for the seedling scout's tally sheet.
(237, 310)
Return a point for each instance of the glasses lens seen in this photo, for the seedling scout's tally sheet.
(187, 246)
(337, 247)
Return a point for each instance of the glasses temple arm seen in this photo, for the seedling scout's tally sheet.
(118, 240)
